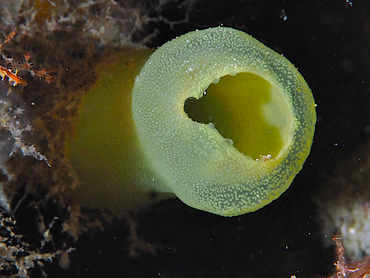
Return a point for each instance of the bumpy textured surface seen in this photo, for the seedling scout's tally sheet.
(202, 167)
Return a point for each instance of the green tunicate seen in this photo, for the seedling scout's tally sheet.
(213, 117)
(222, 121)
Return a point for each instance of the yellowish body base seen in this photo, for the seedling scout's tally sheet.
(104, 150)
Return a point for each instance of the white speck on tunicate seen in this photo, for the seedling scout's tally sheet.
(229, 141)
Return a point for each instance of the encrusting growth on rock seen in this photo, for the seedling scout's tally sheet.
(353, 270)
(8, 121)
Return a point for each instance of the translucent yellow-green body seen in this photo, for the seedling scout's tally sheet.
(104, 150)
(214, 117)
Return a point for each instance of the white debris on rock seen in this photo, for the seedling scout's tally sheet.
(344, 205)
(12, 114)
(352, 222)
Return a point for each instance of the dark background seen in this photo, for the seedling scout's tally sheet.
(328, 41)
